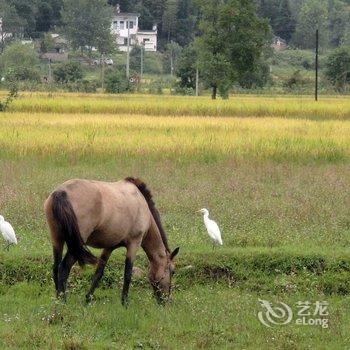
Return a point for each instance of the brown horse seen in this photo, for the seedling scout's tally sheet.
(107, 215)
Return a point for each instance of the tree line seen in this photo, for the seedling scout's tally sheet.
(227, 41)
(294, 21)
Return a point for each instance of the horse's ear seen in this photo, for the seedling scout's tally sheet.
(174, 253)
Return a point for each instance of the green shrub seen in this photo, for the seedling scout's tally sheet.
(156, 87)
(20, 62)
(116, 82)
(296, 58)
(295, 81)
(338, 68)
(257, 78)
(153, 63)
(47, 43)
(88, 86)
(68, 72)
(22, 73)
(13, 93)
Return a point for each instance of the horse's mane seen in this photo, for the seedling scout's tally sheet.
(152, 207)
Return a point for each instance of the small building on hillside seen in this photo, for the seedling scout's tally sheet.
(278, 44)
(59, 50)
(127, 24)
(3, 34)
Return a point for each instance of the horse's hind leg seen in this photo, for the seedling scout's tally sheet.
(63, 273)
(98, 273)
(57, 257)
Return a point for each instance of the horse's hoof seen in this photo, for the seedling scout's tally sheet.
(62, 297)
(125, 303)
(88, 298)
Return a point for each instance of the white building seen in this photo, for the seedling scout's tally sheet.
(127, 24)
(3, 35)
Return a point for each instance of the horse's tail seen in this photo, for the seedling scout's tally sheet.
(68, 228)
(152, 207)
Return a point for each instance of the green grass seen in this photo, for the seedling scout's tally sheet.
(274, 173)
(203, 317)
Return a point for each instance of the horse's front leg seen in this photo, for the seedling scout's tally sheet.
(63, 273)
(98, 273)
(129, 262)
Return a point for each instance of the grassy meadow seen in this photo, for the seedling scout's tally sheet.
(274, 172)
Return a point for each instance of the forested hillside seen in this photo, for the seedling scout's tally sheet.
(293, 21)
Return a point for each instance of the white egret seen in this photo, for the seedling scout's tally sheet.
(7, 232)
(212, 227)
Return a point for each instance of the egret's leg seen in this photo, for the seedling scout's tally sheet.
(98, 273)
(8, 246)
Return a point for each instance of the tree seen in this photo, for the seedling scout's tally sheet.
(256, 78)
(186, 68)
(280, 16)
(186, 22)
(231, 42)
(313, 15)
(87, 23)
(20, 62)
(169, 17)
(339, 22)
(26, 11)
(48, 14)
(11, 23)
(284, 24)
(338, 67)
(135, 58)
(171, 55)
(47, 43)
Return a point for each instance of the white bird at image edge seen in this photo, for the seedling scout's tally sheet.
(212, 227)
(7, 231)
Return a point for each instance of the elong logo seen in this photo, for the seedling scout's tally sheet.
(281, 314)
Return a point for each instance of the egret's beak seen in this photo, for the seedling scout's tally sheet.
(198, 211)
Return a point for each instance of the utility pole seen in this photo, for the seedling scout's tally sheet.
(316, 67)
(197, 82)
(171, 65)
(128, 52)
(102, 72)
(141, 73)
(171, 60)
(50, 71)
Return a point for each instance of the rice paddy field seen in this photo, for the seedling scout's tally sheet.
(274, 173)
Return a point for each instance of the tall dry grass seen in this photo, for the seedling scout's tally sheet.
(92, 135)
(241, 106)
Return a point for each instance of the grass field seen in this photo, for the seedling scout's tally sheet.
(274, 173)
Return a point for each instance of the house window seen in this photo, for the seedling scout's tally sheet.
(121, 24)
(130, 24)
(125, 41)
(115, 24)
(145, 40)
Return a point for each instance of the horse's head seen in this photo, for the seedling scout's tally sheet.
(161, 279)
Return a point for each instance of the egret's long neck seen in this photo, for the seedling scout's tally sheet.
(206, 216)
